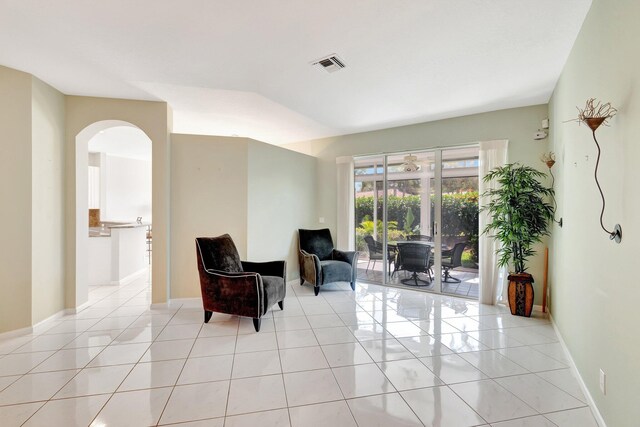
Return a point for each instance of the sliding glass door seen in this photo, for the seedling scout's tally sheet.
(459, 219)
(369, 217)
(416, 219)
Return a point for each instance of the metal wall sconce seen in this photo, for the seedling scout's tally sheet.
(549, 159)
(594, 114)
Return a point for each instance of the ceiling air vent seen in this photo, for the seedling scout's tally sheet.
(330, 63)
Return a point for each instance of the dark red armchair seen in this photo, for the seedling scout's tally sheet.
(237, 287)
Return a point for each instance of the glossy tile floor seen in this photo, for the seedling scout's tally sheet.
(467, 287)
(374, 357)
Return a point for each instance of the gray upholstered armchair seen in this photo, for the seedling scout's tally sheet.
(321, 263)
(237, 287)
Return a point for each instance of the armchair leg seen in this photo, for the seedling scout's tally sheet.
(281, 304)
(256, 324)
(353, 285)
(301, 281)
(316, 290)
(207, 316)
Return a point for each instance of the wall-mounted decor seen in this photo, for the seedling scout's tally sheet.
(549, 159)
(594, 114)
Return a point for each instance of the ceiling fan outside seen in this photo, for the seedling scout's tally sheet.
(411, 163)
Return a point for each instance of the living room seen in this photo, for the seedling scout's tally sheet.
(245, 143)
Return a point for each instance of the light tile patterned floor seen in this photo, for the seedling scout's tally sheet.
(467, 287)
(374, 357)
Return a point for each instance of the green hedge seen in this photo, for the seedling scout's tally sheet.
(459, 216)
(397, 208)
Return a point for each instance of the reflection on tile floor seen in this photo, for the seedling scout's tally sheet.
(343, 358)
(468, 286)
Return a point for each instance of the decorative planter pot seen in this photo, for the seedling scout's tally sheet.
(521, 294)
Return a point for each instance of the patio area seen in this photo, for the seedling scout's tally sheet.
(468, 286)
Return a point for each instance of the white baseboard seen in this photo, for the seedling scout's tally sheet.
(171, 302)
(130, 278)
(176, 302)
(77, 309)
(576, 373)
(32, 328)
(159, 305)
(185, 300)
(49, 319)
(16, 333)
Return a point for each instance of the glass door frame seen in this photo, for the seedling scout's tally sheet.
(385, 227)
(436, 225)
(437, 221)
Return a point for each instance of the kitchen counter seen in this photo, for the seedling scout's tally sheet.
(105, 230)
(119, 256)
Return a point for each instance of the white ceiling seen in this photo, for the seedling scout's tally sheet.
(242, 66)
(122, 141)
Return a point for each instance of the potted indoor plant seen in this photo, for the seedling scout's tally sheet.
(519, 215)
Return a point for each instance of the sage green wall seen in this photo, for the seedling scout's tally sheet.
(517, 125)
(15, 193)
(594, 289)
(258, 193)
(281, 199)
(47, 194)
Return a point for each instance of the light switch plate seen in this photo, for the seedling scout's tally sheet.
(603, 382)
(321, 220)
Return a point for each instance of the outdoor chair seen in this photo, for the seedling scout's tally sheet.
(415, 258)
(419, 237)
(376, 252)
(321, 263)
(237, 287)
(453, 260)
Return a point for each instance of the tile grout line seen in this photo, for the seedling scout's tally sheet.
(134, 366)
(331, 368)
(379, 304)
(64, 385)
(233, 359)
(181, 369)
(466, 403)
(284, 387)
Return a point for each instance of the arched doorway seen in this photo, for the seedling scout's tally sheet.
(122, 267)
